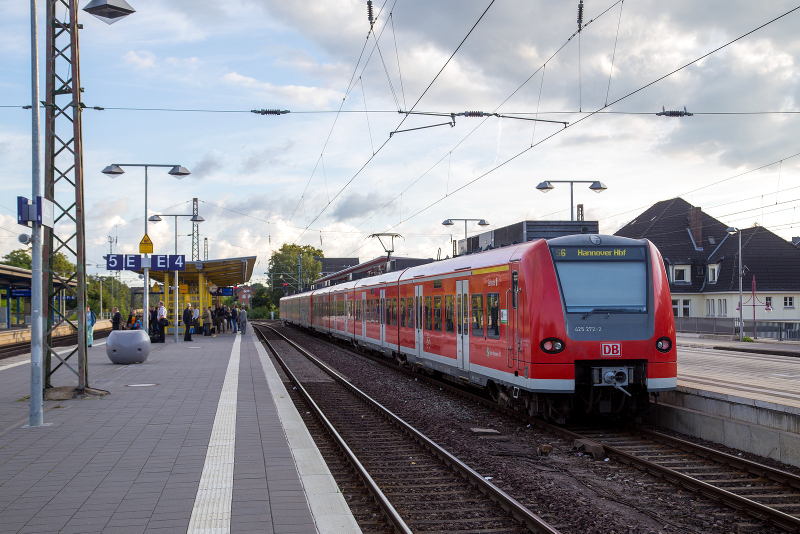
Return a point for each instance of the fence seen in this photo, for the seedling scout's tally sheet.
(729, 326)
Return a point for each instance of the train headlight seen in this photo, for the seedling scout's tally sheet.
(552, 345)
(664, 344)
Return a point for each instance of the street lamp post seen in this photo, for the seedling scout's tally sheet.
(178, 172)
(449, 222)
(732, 230)
(547, 186)
(194, 219)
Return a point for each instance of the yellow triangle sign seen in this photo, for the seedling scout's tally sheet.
(145, 245)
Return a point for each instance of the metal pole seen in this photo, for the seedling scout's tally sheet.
(101, 297)
(465, 228)
(175, 292)
(36, 417)
(741, 300)
(571, 201)
(146, 293)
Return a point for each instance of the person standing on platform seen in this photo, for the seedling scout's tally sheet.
(243, 321)
(187, 322)
(153, 320)
(116, 319)
(221, 320)
(228, 318)
(234, 318)
(196, 319)
(91, 319)
(161, 320)
(207, 321)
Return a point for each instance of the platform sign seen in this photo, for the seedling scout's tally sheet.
(177, 263)
(133, 262)
(114, 262)
(19, 293)
(159, 262)
(146, 245)
(183, 289)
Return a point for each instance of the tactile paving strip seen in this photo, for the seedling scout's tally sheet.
(212, 506)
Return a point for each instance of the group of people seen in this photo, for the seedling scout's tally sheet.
(215, 320)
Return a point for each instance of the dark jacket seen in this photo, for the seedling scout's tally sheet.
(187, 317)
(116, 321)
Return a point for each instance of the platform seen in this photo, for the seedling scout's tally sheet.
(203, 437)
(744, 400)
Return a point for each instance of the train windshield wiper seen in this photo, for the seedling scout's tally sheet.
(606, 310)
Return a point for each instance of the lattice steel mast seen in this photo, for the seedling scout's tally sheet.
(195, 232)
(63, 185)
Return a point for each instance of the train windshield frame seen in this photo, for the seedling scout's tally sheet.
(602, 279)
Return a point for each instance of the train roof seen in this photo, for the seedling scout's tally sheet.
(478, 260)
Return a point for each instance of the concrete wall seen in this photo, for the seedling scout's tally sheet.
(24, 334)
(763, 428)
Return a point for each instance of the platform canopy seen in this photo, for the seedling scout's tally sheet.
(19, 277)
(222, 273)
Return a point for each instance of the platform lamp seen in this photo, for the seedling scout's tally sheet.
(109, 11)
(732, 230)
(449, 222)
(195, 219)
(114, 170)
(547, 186)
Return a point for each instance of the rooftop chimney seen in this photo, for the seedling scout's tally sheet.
(696, 226)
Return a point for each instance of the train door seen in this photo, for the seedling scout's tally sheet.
(363, 319)
(346, 313)
(512, 314)
(418, 334)
(382, 315)
(462, 331)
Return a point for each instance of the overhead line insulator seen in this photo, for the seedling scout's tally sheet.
(370, 14)
(580, 15)
(270, 111)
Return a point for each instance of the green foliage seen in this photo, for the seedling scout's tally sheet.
(284, 268)
(261, 296)
(115, 293)
(22, 258)
(18, 258)
(747, 339)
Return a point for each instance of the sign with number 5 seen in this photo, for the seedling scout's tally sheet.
(114, 262)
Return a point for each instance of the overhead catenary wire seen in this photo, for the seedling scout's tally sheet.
(404, 118)
(628, 95)
(614, 54)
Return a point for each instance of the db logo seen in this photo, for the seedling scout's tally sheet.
(611, 350)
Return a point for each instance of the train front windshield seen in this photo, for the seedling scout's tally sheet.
(602, 279)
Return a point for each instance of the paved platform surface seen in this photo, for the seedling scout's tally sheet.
(214, 444)
(761, 377)
(763, 346)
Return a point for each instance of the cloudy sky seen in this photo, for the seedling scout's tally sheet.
(316, 176)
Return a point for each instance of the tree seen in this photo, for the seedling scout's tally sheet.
(261, 296)
(18, 258)
(284, 267)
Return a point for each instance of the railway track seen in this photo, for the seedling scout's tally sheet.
(419, 486)
(762, 492)
(15, 349)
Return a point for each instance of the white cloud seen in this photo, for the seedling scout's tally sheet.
(297, 94)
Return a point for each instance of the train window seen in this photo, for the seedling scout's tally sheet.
(402, 312)
(437, 314)
(428, 314)
(477, 315)
(410, 312)
(493, 315)
(449, 313)
(394, 312)
(514, 287)
(458, 307)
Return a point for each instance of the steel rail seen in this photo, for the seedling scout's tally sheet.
(742, 504)
(508, 503)
(380, 498)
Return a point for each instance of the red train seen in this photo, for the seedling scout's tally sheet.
(577, 323)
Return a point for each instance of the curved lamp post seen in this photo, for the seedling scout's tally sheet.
(547, 186)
